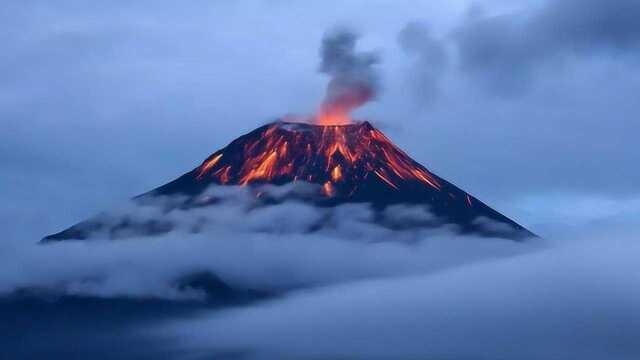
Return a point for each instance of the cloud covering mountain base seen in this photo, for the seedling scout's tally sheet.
(352, 290)
(265, 248)
(573, 301)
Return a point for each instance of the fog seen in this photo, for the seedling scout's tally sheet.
(354, 289)
(564, 302)
(269, 248)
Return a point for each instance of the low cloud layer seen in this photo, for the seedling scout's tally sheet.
(269, 249)
(353, 290)
(579, 300)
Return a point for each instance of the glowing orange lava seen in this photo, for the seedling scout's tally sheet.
(339, 158)
(333, 115)
(336, 174)
(328, 190)
(208, 165)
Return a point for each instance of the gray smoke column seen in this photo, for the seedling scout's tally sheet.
(354, 80)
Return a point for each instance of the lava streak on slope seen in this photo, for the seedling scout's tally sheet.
(338, 157)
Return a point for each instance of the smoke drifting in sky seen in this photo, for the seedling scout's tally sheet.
(353, 78)
(505, 52)
(430, 60)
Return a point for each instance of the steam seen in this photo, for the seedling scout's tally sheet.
(353, 78)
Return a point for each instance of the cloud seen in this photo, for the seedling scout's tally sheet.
(431, 60)
(507, 51)
(267, 248)
(572, 300)
(354, 290)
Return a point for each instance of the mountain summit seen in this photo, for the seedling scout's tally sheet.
(353, 163)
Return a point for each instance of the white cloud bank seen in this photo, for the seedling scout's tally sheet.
(576, 301)
(270, 249)
(356, 290)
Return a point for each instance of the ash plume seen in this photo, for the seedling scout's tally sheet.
(353, 78)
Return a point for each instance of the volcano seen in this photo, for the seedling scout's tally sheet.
(352, 163)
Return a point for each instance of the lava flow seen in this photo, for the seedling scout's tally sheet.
(338, 157)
